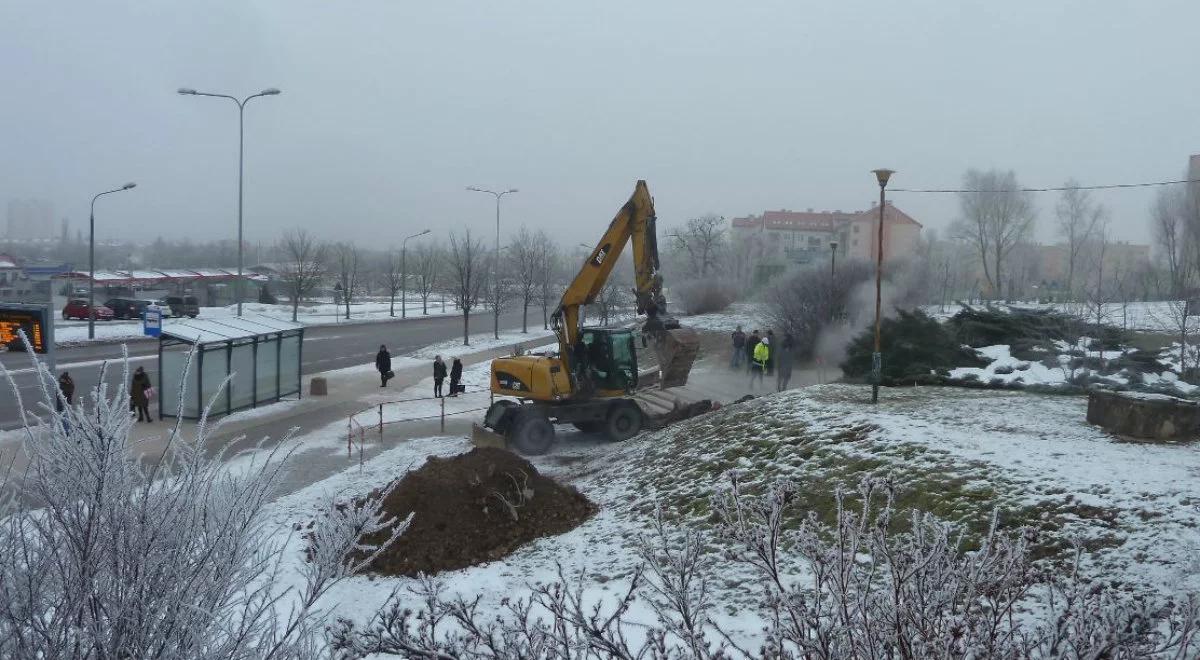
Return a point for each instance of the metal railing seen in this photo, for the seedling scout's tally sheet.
(355, 428)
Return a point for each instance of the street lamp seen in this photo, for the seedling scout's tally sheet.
(271, 91)
(496, 260)
(92, 258)
(833, 258)
(404, 274)
(877, 358)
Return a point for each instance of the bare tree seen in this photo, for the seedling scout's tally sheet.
(306, 263)
(500, 291)
(468, 263)
(703, 241)
(429, 258)
(393, 278)
(524, 253)
(346, 262)
(996, 217)
(1078, 218)
(106, 556)
(1171, 234)
(549, 267)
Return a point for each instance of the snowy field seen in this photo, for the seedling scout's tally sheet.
(75, 332)
(1158, 316)
(956, 453)
(747, 315)
(1006, 369)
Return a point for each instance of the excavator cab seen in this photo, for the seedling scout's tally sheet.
(606, 361)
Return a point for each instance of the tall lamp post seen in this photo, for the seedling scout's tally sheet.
(877, 358)
(833, 245)
(241, 104)
(404, 273)
(92, 258)
(496, 259)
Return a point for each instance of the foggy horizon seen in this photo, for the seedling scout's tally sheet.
(389, 112)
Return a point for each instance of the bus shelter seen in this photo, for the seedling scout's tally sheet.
(259, 356)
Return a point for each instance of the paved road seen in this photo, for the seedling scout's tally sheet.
(325, 348)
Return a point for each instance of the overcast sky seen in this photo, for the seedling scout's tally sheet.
(390, 109)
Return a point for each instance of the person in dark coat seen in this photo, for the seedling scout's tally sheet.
(771, 359)
(66, 386)
(139, 397)
(784, 357)
(439, 375)
(751, 342)
(455, 377)
(739, 348)
(383, 364)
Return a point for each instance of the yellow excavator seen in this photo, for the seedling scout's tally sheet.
(590, 380)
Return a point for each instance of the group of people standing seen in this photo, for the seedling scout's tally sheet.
(141, 390)
(383, 364)
(763, 356)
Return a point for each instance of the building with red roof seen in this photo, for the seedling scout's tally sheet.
(775, 240)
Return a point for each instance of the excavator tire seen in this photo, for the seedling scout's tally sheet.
(624, 421)
(677, 349)
(530, 432)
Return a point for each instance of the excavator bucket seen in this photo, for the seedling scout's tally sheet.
(485, 437)
(677, 349)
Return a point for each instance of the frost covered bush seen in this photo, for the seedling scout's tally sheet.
(108, 553)
(706, 295)
(850, 589)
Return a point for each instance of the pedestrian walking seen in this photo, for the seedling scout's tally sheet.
(758, 366)
(439, 375)
(139, 395)
(783, 362)
(771, 357)
(739, 348)
(455, 377)
(751, 344)
(383, 363)
(66, 387)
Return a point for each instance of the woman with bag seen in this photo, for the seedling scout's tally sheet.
(383, 363)
(140, 392)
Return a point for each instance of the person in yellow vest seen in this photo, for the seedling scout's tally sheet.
(762, 353)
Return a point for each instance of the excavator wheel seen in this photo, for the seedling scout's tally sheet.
(530, 433)
(624, 421)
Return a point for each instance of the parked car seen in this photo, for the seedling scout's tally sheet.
(180, 306)
(77, 308)
(127, 308)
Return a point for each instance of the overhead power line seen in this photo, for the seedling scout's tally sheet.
(1050, 189)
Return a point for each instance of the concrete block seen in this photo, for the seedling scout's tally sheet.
(318, 387)
(1155, 417)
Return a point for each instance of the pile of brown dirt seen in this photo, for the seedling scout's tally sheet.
(474, 508)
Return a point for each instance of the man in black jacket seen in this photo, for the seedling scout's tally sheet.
(439, 375)
(751, 342)
(383, 363)
(455, 377)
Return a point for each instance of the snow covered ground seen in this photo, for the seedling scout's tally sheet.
(1158, 316)
(957, 453)
(1009, 370)
(747, 315)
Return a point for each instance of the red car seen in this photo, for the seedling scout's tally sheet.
(77, 308)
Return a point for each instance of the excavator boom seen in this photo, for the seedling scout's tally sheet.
(634, 223)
